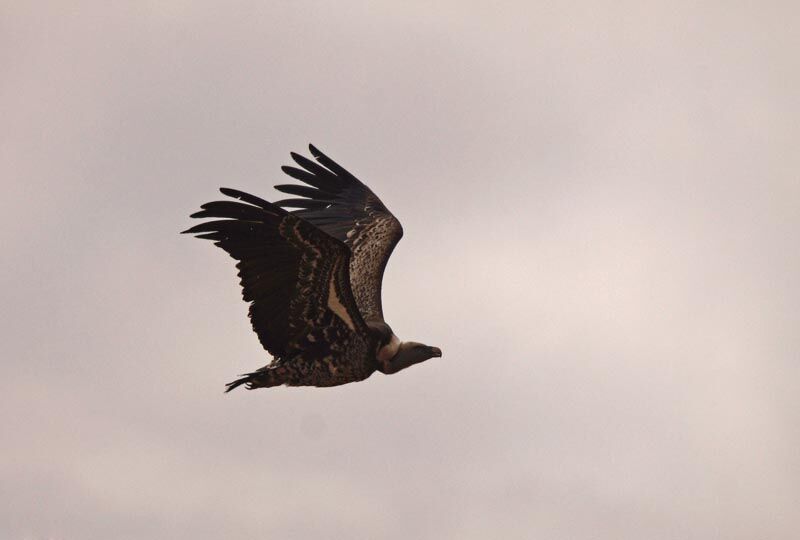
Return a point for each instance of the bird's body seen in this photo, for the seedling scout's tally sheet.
(313, 276)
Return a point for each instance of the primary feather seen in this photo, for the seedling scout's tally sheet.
(352, 213)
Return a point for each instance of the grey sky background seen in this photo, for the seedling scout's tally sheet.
(600, 202)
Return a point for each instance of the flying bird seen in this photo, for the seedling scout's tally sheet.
(312, 276)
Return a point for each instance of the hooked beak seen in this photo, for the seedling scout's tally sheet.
(436, 352)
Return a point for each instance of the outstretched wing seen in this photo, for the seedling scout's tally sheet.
(339, 204)
(295, 277)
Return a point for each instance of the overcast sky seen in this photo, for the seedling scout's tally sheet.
(601, 204)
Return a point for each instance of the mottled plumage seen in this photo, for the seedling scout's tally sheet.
(348, 210)
(313, 276)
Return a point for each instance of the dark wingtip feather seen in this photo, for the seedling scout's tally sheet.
(211, 236)
(334, 167)
(292, 171)
(305, 191)
(298, 174)
(191, 230)
(309, 204)
(246, 197)
(207, 226)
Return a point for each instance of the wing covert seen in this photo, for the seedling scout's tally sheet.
(295, 277)
(338, 203)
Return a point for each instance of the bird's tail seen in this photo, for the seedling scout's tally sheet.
(263, 378)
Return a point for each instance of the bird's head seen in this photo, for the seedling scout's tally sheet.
(408, 354)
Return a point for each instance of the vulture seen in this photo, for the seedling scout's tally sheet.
(311, 269)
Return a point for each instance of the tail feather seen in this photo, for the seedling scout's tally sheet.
(263, 378)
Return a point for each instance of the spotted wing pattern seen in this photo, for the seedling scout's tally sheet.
(296, 279)
(338, 203)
